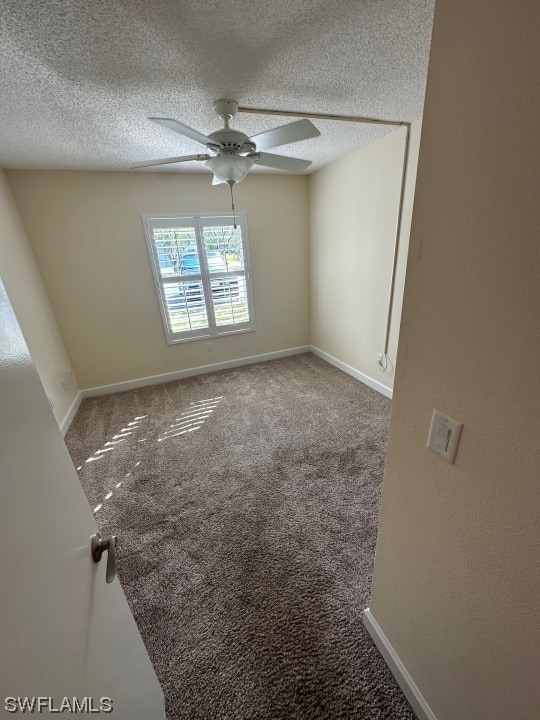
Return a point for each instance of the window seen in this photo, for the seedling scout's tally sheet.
(201, 269)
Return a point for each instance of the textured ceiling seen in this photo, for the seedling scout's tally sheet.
(80, 77)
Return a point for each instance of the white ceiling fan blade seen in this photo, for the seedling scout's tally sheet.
(282, 162)
(166, 161)
(215, 181)
(290, 133)
(179, 127)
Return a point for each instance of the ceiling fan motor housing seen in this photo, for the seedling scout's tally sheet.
(232, 141)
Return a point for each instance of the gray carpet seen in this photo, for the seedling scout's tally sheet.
(246, 504)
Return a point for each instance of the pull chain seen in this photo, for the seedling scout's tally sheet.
(232, 203)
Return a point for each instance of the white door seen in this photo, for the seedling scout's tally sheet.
(64, 631)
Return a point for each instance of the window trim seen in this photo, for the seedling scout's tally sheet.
(155, 221)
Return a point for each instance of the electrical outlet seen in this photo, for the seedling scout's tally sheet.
(380, 357)
(51, 402)
(208, 347)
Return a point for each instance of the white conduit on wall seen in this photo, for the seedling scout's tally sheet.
(368, 121)
(398, 235)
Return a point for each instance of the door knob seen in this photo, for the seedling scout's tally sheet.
(98, 547)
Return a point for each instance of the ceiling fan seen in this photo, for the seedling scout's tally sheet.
(231, 153)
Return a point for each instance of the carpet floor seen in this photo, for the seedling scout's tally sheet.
(246, 503)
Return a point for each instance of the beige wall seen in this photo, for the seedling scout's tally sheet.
(27, 295)
(457, 581)
(86, 232)
(353, 215)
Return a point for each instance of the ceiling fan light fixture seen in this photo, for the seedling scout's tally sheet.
(230, 168)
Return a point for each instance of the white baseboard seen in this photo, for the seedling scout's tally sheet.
(369, 381)
(214, 367)
(398, 669)
(190, 372)
(68, 417)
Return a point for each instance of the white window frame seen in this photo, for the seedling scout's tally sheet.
(151, 222)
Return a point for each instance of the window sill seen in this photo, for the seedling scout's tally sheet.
(206, 335)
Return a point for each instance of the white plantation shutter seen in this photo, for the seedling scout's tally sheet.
(201, 269)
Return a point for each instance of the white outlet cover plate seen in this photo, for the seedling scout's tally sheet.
(444, 435)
